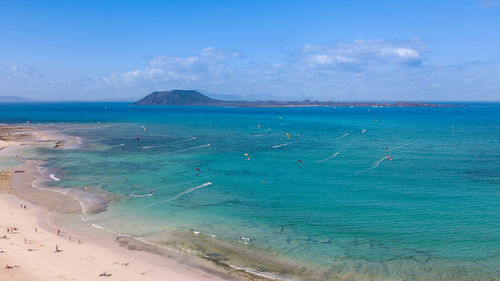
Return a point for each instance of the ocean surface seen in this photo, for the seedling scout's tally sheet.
(321, 193)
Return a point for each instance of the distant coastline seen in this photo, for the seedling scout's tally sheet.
(195, 98)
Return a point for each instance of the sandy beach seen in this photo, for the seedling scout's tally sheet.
(33, 248)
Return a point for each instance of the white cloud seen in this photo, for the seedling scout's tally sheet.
(18, 72)
(362, 53)
(209, 64)
(357, 70)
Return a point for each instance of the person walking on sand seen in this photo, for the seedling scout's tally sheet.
(58, 232)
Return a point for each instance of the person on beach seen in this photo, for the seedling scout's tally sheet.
(58, 232)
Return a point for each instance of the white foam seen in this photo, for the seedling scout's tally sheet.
(261, 135)
(258, 273)
(52, 176)
(195, 232)
(169, 144)
(35, 184)
(101, 227)
(245, 240)
(401, 146)
(191, 148)
(174, 197)
(140, 195)
(374, 165)
(280, 145)
(189, 191)
(377, 163)
(329, 157)
(342, 136)
(284, 144)
(118, 145)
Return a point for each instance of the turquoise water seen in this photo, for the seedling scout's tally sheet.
(431, 212)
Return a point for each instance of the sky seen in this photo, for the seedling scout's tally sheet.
(252, 50)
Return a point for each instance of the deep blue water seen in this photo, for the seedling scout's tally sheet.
(317, 186)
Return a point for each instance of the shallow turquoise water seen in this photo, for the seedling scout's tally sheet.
(432, 212)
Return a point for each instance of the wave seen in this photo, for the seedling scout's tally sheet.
(328, 158)
(169, 144)
(52, 176)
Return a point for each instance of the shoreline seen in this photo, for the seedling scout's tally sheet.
(36, 258)
(81, 257)
(192, 251)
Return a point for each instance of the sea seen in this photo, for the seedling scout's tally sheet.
(319, 193)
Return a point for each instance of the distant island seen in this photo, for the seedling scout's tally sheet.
(10, 99)
(195, 98)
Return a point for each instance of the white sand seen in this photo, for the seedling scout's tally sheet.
(37, 259)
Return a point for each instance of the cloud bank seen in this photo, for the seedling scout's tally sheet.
(355, 70)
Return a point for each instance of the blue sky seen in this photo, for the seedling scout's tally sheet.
(322, 50)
